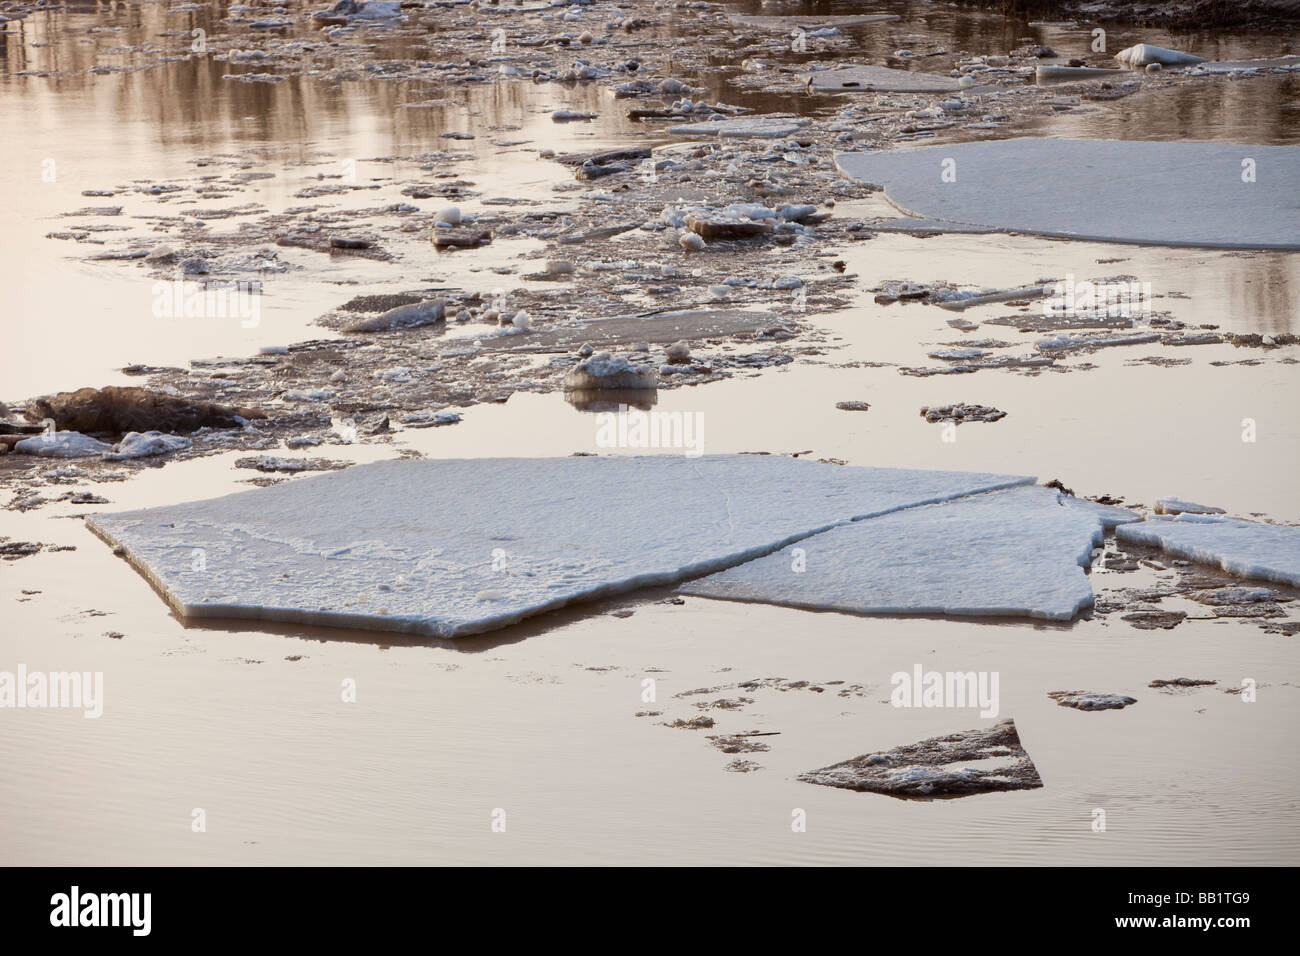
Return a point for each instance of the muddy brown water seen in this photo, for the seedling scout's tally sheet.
(538, 720)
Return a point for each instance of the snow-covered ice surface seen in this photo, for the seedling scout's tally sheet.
(453, 547)
(1263, 551)
(62, 445)
(1178, 194)
(1016, 552)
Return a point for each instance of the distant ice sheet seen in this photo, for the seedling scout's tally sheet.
(1178, 194)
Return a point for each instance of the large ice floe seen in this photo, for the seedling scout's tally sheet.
(453, 547)
(1222, 195)
(1246, 548)
(1020, 551)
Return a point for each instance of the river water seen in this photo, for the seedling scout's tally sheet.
(538, 720)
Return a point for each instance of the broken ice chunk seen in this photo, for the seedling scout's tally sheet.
(1084, 700)
(1173, 506)
(939, 767)
(62, 445)
(603, 370)
(1017, 552)
(1245, 548)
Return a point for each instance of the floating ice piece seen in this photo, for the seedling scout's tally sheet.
(1246, 548)
(344, 10)
(372, 547)
(1248, 66)
(1017, 552)
(1176, 194)
(862, 79)
(62, 445)
(957, 354)
(810, 23)
(430, 419)
(144, 444)
(749, 127)
(428, 312)
(1066, 73)
(957, 765)
(308, 395)
(1144, 54)
(1233, 595)
(379, 9)
(604, 370)
(1057, 343)
(1174, 506)
(1085, 700)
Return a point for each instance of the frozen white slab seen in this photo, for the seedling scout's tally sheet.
(1176, 194)
(1019, 552)
(455, 547)
(1144, 54)
(62, 445)
(1252, 550)
(865, 79)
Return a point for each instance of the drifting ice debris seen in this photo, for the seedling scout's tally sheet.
(144, 444)
(958, 765)
(811, 23)
(1168, 193)
(716, 229)
(1248, 66)
(62, 445)
(1173, 506)
(1018, 552)
(603, 370)
(466, 237)
(1263, 551)
(862, 79)
(750, 127)
(430, 419)
(962, 413)
(1143, 54)
(428, 312)
(367, 547)
(345, 10)
(1233, 595)
(1083, 700)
